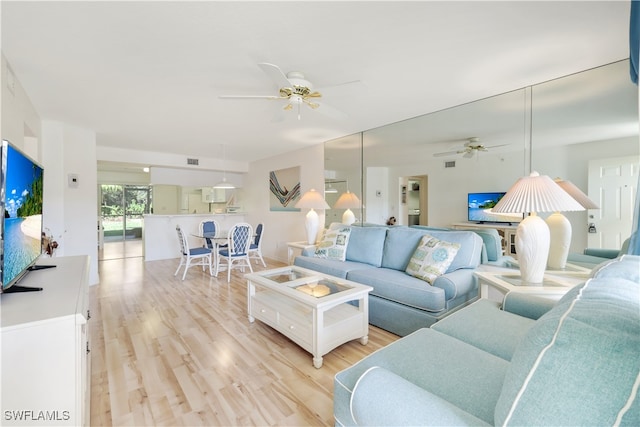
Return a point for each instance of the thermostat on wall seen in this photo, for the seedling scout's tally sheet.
(73, 180)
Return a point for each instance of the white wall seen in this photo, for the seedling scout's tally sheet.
(282, 227)
(71, 211)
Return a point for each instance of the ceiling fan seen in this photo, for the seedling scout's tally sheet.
(295, 90)
(469, 148)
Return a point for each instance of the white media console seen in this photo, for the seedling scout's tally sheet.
(507, 231)
(45, 367)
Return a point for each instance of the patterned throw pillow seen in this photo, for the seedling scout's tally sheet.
(334, 244)
(432, 258)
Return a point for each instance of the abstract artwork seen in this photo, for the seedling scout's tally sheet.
(285, 189)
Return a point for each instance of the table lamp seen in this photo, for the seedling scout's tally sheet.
(347, 201)
(560, 227)
(312, 200)
(532, 194)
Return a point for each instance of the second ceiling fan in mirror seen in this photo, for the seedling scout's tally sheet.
(297, 91)
(470, 148)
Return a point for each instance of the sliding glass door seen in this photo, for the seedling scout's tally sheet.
(121, 210)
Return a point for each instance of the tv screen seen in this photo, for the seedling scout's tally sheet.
(21, 184)
(479, 209)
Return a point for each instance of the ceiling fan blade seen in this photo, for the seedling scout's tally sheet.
(315, 94)
(250, 97)
(447, 153)
(330, 111)
(352, 88)
(275, 74)
(494, 146)
(468, 154)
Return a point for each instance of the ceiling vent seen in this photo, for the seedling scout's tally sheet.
(450, 164)
(193, 162)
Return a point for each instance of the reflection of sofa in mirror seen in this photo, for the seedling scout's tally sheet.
(399, 302)
(591, 257)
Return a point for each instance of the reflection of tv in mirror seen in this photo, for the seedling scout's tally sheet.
(21, 185)
(480, 205)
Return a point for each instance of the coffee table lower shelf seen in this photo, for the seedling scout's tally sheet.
(318, 326)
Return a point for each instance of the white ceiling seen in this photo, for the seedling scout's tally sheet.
(147, 75)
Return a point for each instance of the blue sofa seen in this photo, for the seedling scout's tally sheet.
(400, 303)
(577, 364)
(591, 257)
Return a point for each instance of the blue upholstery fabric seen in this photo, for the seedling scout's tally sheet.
(401, 243)
(484, 326)
(585, 348)
(437, 363)
(330, 266)
(372, 403)
(366, 245)
(400, 287)
(199, 251)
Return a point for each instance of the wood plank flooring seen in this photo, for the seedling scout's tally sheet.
(183, 353)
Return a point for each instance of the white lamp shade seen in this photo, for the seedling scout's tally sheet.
(225, 185)
(536, 193)
(577, 194)
(347, 201)
(312, 200)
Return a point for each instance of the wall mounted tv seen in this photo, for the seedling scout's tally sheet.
(479, 209)
(21, 185)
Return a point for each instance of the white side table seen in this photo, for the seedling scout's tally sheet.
(292, 246)
(552, 287)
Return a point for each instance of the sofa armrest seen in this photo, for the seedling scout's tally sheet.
(381, 398)
(525, 305)
(602, 253)
(457, 282)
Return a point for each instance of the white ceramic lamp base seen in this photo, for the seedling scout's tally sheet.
(560, 240)
(348, 217)
(532, 247)
(311, 224)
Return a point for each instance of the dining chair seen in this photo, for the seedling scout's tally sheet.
(201, 256)
(210, 228)
(237, 249)
(255, 249)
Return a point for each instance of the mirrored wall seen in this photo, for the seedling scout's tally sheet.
(556, 128)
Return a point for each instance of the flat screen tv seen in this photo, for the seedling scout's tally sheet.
(21, 185)
(479, 209)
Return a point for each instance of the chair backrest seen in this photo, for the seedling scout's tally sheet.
(258, 238)
(209, 226)
(239, 239)
(182, 239)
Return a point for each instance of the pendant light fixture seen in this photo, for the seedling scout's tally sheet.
(224, 184)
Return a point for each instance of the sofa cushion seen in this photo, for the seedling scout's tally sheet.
(579, 361)
(366, 245)
(330, 266)
(399, 287)
(431, 258)
(334, 244)
(437, 363)
(483, 325)
(401, 243)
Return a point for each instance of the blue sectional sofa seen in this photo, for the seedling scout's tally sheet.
(577, 364)
(400, 303)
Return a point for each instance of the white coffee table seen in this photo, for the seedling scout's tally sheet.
(553, 286)
(310, 308)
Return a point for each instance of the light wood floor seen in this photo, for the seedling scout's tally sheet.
(172, 352)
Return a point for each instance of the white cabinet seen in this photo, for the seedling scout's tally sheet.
(214, 195)
(46, 369)
(507, 232)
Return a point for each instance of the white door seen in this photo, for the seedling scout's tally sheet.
(612, 185)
